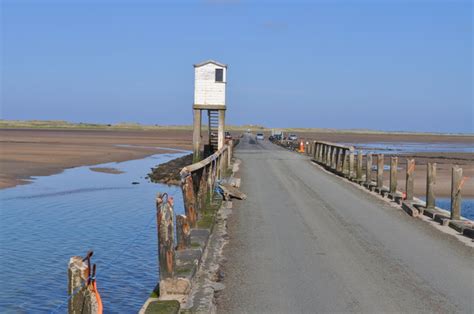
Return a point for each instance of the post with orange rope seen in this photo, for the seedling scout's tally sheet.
(456, 185)
(82, 287)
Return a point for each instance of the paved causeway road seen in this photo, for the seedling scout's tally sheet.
(308, 242)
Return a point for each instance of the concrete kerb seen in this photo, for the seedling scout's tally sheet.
(206, 282)
(463, 229)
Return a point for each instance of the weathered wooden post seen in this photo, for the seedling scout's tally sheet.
(345, 162)
(328, 156)
(318, 152)
(430, 185)
(82, 290)
(77, 275)
(368, 170)
(189, 197)
(165, 223)
(337, 158)
(410, 179)
(393, 175)
(202, 191)
(183, 233)
(351, 163)
(457, 182)
(334, 158)
(230, 148)
(359, 165)
(380, 166)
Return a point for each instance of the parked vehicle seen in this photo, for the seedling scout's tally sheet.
(293, 137)
(260, 136)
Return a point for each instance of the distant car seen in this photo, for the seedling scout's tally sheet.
(260, 136)
(292, 137)
(228, 136)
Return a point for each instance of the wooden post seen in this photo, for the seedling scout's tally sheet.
(81, 288)
(368, 170)
(351, 163)
(333, 159)
(380, 165)
(410, 184)
(230, 148)
(339, 160)
(197, 135)
(345, 162)
(220, 129)
(393, 174)
(166, 252)
(183, 233)
(78, 272)
(203, 189)
(325, 154)
(456, 185)
(359, 165)
(328, 156)
(189, 199)
(209, 179)
(430, 185)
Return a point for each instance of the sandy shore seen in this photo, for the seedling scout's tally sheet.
(444, 161)
(37, 152)
(26, 152)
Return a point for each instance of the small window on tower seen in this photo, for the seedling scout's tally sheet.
(219, 75)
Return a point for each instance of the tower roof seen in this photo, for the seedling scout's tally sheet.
(197, 65)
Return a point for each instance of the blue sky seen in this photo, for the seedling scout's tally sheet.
(388, 65)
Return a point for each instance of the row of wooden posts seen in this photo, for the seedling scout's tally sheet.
(342, 160)
(198, 182)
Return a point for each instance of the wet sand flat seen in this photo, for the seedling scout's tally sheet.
(37, 152)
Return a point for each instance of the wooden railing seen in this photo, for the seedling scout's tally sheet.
(198, 180)
(339, 158)
(342, 160)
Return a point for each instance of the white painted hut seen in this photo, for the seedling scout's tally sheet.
(210, 79)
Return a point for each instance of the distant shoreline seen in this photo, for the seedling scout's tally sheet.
(64, 125)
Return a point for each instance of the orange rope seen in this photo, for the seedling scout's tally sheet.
(97, 295)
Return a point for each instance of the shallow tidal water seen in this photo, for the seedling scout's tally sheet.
(44, 223)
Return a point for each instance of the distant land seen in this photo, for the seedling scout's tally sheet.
(60, 124)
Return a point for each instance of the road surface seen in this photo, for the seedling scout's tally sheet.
(306, 241)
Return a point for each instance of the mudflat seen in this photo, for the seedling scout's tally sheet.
(37, 152)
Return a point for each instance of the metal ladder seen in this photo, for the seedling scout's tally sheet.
(213, 129)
